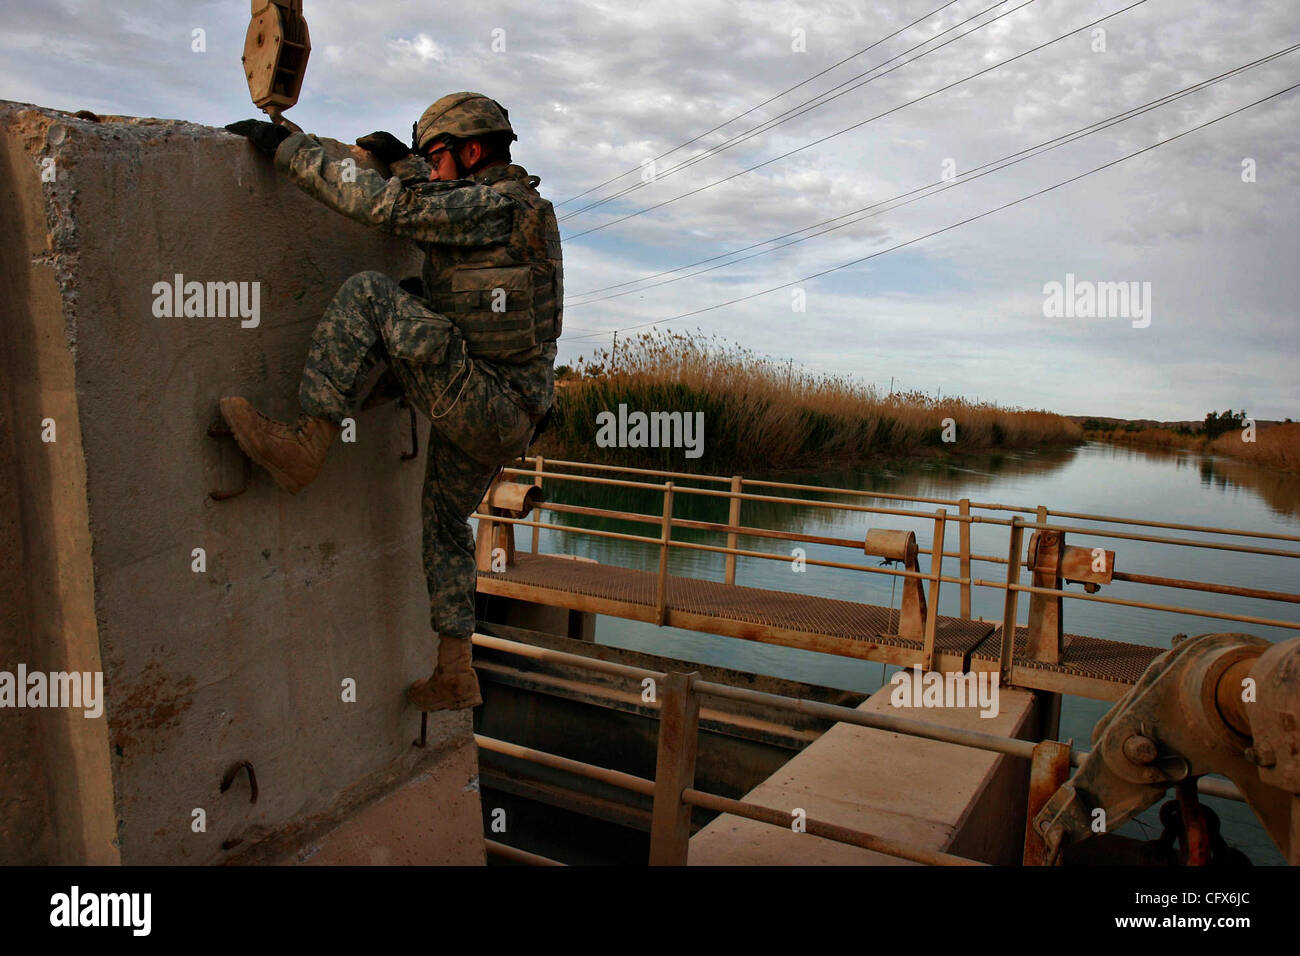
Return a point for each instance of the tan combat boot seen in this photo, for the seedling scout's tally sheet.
(453, 685)
(293, 454)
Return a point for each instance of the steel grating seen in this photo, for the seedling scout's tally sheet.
(783, 610)
(606, 581)
(1081, 656)
(1085, 657)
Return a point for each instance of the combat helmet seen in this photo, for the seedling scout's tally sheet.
(461, 115)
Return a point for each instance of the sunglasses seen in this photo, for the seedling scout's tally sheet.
(435, 149)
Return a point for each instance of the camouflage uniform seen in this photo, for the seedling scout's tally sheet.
(483, 402)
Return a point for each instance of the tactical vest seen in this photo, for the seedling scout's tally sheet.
(507, 299)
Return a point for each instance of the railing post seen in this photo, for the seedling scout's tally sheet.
(963, 535)
(661, 591)
(670, 820)
(537, 532)
(1049, 768)
(932, 608)
(1010, 600)
(1046, 612)
(733, 519)
(1046, 637)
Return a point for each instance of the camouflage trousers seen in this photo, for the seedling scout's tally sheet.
(478, 423)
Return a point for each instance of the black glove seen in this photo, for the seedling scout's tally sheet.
(386, 147)
(265, 136)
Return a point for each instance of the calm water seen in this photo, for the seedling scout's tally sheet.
(1094, 478)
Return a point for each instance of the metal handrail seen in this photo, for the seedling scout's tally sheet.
(964, 519)
(896, 496)
(691, 797)
(773, 534)
(930, 576)
(976, 739)
(709, 801)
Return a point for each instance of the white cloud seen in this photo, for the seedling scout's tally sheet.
(421, 49)
(596, 87)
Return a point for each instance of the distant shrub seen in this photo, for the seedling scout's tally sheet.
(1217, 424)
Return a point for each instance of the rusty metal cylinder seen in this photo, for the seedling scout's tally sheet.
(1227, 696)
(894, 545)
(516, 499)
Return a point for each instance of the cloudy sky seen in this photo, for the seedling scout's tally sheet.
(599, 89)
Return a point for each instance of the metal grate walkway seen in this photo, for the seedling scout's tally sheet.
(1090, 666)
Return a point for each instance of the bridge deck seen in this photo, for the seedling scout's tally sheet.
(1090, 667)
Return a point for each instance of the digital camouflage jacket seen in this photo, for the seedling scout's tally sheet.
(493, 264)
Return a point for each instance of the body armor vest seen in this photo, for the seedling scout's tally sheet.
(507, 300)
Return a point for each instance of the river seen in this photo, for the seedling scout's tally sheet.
(1095, 478)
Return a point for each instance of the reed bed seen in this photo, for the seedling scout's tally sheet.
(1149, 437)
(760, 415)
(1275, 446)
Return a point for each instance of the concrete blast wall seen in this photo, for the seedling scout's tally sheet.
(247, 659)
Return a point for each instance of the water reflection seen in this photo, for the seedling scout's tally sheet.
(1279, 490)
(950, 479)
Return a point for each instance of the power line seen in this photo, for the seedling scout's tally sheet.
(807, 106)
(852, 217)
(857, 125)
(928, 235)
(770, 99)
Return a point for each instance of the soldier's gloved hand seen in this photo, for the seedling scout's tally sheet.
(386, 147)
(267, 137)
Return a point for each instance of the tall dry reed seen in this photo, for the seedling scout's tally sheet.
(1274, 446)
(763, 415)
(1277, 446)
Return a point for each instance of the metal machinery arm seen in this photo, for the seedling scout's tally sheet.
(1218, 703)
(276, 49)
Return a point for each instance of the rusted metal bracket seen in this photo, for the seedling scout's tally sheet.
(891, 545)
(233, 772)
(505, 499)
(1048, 770)
(222, 430)
(1052, 564)
(1046, 627)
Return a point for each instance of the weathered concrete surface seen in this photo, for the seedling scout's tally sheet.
(922, 793)
(435, 820)
(56, 802)
(245, 660)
